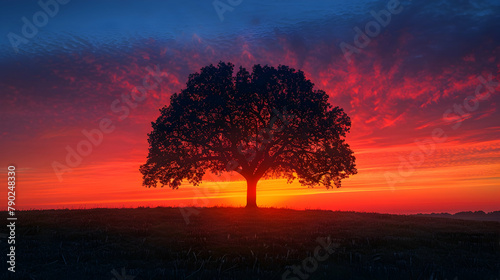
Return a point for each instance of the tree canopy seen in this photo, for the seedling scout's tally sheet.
(268, 123)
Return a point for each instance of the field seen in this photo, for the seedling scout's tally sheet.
(237, 243)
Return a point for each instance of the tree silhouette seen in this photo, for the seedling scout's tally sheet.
(265, 124)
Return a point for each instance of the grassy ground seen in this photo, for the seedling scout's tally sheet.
(235, 243)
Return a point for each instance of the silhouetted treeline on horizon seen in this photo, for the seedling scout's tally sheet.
(469, 215)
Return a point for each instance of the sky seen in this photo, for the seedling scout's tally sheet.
(419, 80)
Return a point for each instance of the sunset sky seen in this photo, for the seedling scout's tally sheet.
(422, 96)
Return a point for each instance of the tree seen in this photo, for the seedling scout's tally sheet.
(265, 124)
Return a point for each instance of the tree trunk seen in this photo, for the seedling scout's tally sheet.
(252, 193)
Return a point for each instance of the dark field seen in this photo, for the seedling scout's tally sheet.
(235, 243)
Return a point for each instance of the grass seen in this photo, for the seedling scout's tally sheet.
(237, 243)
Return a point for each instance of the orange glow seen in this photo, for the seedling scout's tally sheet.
(389, 112)
(453, 187)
